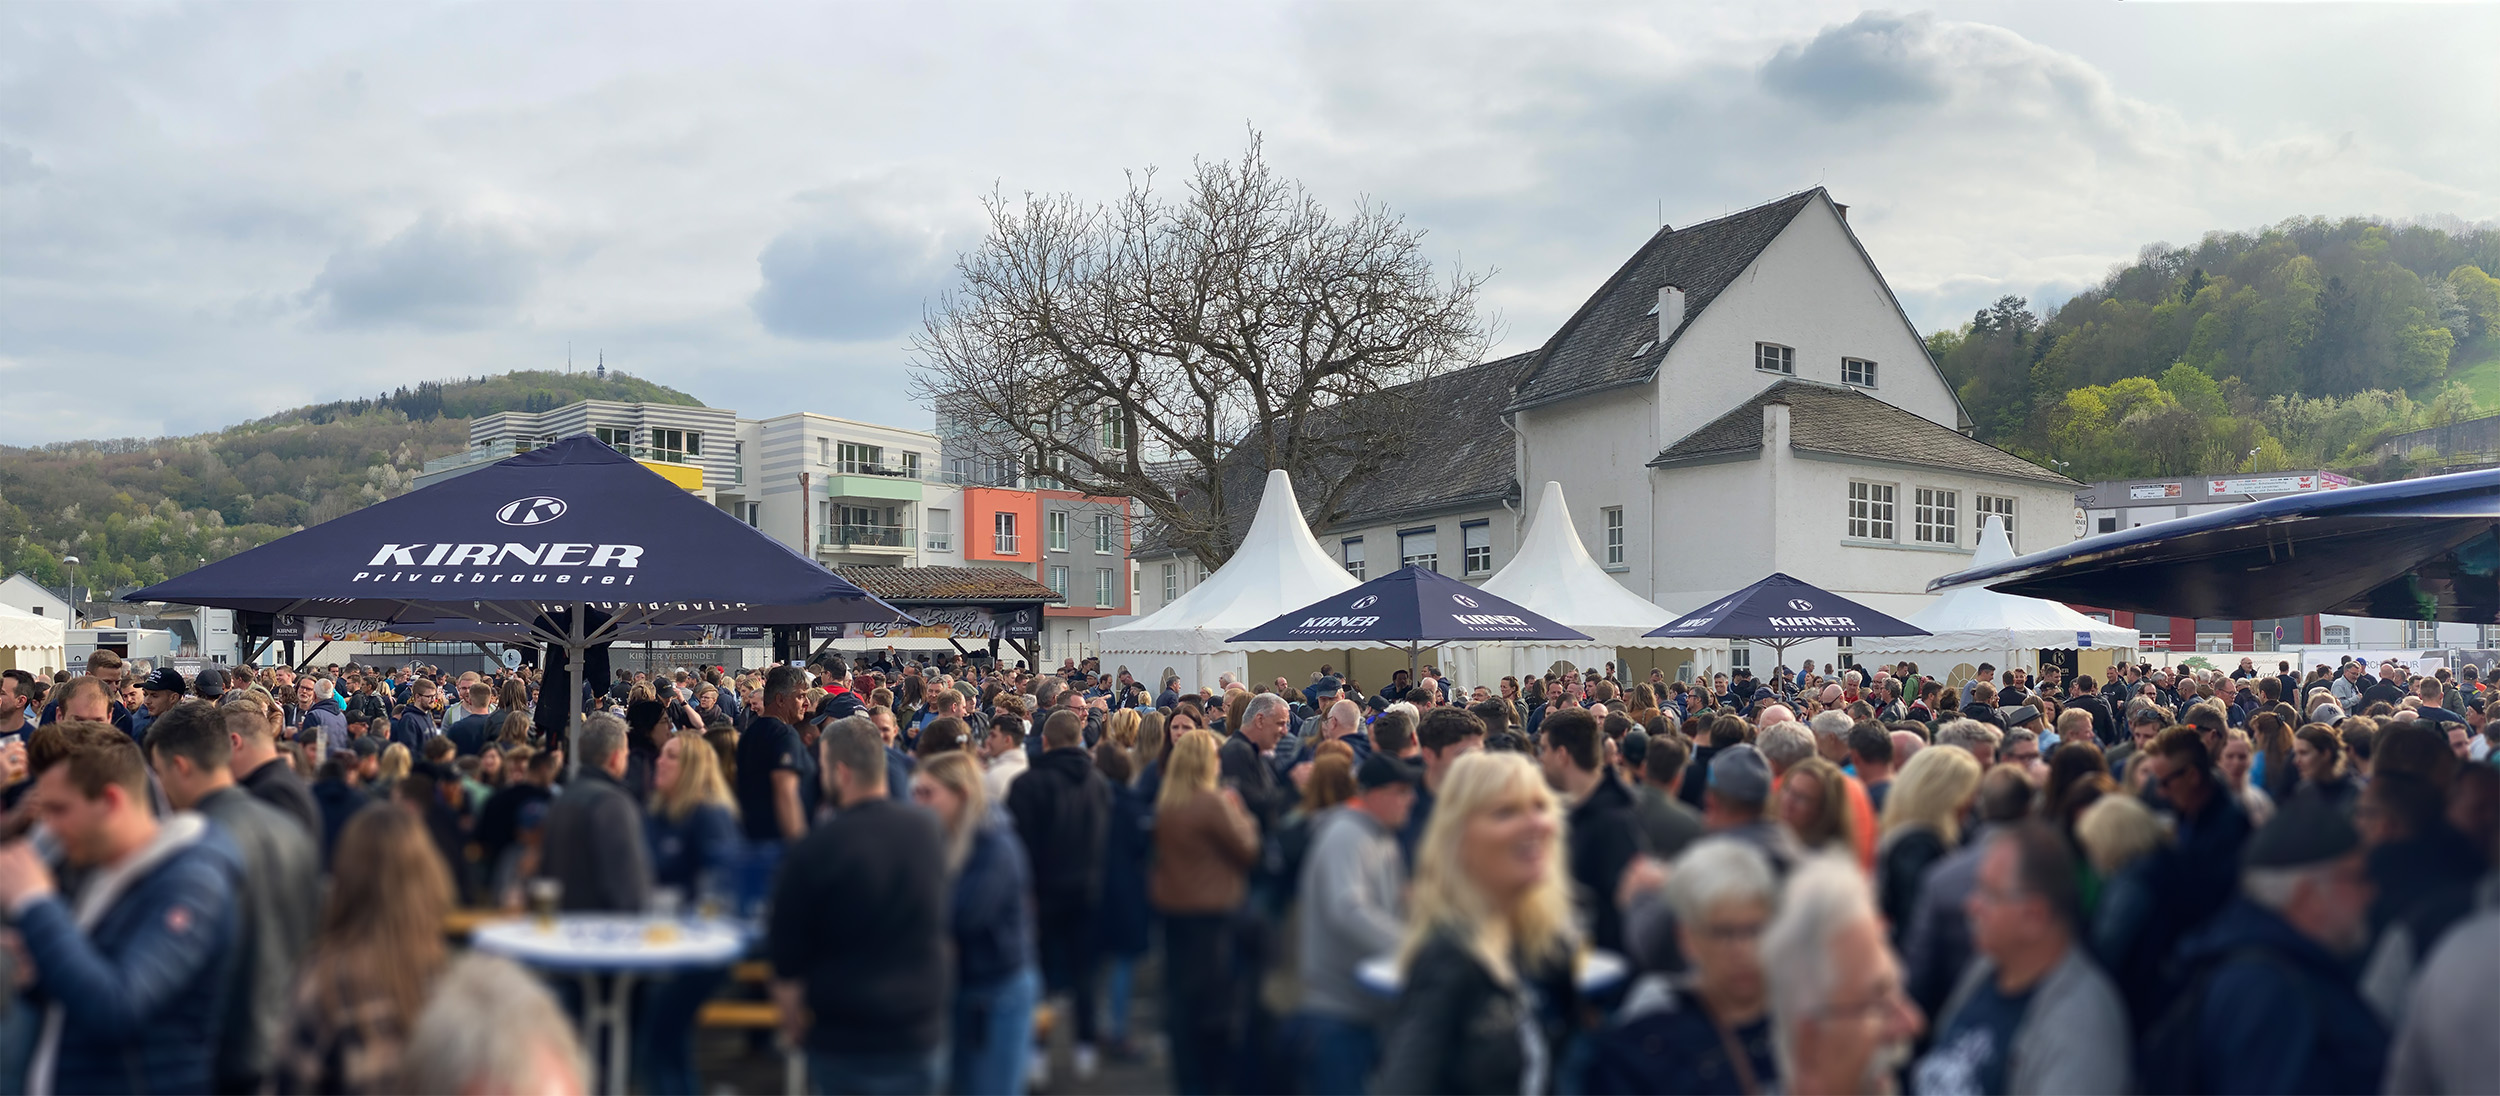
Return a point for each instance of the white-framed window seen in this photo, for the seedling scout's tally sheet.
(2336, 635)
(1421, 548)
(1106, 533)
(1202, 570)
(824, 450)
(674, 446)
(941, 530)
(1983, 505)
(1857, 371)
(2487, 636)
(1870, 510)
(1476, 539)
(852, 458)
(2420, 634)
(1935, 517)
(1112, 431)
(1740, 655)
(911, 465)
(1055, 530)
(1136, 582)
(1848, 651)
(618, 437)
(1105, 595)
(1171, 582)
(1611, 519)
(1059, 580)
(1351, 550)
(1003, 533)
(1774, 358)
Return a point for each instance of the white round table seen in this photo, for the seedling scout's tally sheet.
(607, 951)
(1599, 971)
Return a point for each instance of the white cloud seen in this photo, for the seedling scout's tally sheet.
(269, 204)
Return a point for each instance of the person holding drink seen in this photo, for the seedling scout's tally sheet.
(696, 853)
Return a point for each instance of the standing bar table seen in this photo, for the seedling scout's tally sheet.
(608, 951)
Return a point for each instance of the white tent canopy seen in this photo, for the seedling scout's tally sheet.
(1975, 619)
(1554, 576)
(29, 642)
(1279, 567)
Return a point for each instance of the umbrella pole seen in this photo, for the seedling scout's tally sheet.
(1414, 659)
(574, 652)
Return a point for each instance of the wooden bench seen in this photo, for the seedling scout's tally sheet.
(729, 1015)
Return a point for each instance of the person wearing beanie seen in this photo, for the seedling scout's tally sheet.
(2272, 1006)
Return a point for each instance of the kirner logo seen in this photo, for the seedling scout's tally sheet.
(1801, 605)
(1365, 602)
(1463, 600)
(534, 510)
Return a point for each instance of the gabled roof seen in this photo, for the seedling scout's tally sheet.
(1459, 457)
(1596, 348)
(1835, 419)
(938, 584)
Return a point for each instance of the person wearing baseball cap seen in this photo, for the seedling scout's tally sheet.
(1738, 788)
(163, 688)
(1354, 907)
(2279, 1011)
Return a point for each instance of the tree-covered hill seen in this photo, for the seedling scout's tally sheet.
(2295, 346)
(136, 510)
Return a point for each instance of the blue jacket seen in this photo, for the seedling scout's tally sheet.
(339, 802)
(411, 728)
(140, 991)
(2281, 1014)
(325, 715)
(991, 909)
(2190, 881)
(1122, 925)
(684, 850)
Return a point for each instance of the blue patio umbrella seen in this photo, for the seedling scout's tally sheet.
(2421, 549)
(1782, 612)
(573, 545)
(1412, 606)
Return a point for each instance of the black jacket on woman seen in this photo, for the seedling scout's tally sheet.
(1899, 868)
(1456, 1030)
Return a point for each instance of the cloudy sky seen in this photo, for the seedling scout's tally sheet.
(211, 212)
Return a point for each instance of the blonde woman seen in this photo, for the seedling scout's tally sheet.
(1922, 823)
(997, 985)
(1205, 845)
(696, 849)
(1122, 727)
(2119, 835)
(395, 763)
(1490, 946)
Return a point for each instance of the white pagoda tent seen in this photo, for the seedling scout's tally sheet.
(1278, 568)
(1554, 575)
(1971, 624)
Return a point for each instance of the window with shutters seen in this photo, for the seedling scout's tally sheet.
(1476, 538)
(1420, 549)
(1352, 550)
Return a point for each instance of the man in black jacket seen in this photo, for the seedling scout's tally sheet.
(594, 845)
(858, 937)
(1062, 810)
(1604, 827)
(1243, 760)
(2104, 723)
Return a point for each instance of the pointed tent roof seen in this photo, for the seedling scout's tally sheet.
(1279, 567)
(1553, 575)
(1975, 618)
(23, 630)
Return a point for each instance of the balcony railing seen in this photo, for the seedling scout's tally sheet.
(898, 538)
(501, 448)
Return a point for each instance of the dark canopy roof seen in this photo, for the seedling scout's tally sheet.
(2424, 549)
(1409, 605)
(576, 522)
(1783, 608)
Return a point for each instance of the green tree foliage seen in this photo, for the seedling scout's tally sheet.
(2337, 331)
(142, 510)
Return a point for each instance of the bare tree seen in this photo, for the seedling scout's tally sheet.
(1153, 347)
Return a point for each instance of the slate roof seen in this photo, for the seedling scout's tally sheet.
(1830, 418)
(1459, 458)
(925, 585)
(1595, 349)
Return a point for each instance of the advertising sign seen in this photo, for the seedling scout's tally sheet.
(958, 623)
(2143, 491)
(2276, 485)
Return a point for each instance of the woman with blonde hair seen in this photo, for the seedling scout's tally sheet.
(1922, 823)
(1122, 728)
(1490, 948)
(1205, 845)
(2119, 835)
(696, 851)
(394, 767)
(374, 961)
(990, 918)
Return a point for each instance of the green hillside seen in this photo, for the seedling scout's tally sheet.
(2295, 346)
(140, 510)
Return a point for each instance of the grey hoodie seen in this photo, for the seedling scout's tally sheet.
(2073, 1038)
(1352, 908)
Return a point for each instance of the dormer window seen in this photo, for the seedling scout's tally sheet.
(1774, 358)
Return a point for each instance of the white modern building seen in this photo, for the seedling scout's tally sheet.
(1743, 396)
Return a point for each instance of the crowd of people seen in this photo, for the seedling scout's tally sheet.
(1840, 880)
